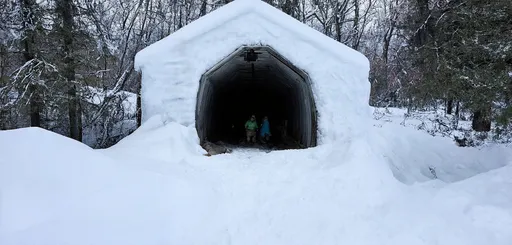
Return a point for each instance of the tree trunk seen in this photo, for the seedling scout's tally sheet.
(337, 25)
(202, 10)
(355, 30)
(421, 35)
(3, 61)
(387, 41)
(457, 109)
(35, 115)
(28, 9)
(65, 11)
(74, 114)
(139, 100)
(449, 106)
(482, 120)
(79, 122)
(180, 20)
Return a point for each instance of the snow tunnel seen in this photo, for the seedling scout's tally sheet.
(256, 81)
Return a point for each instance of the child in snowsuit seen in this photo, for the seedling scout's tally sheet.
(265, 129)
(250, 129)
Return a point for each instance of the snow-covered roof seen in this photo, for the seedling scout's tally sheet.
(243, 11)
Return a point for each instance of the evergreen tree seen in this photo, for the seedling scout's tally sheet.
(458, 53)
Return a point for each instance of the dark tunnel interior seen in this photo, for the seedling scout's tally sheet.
(256, 81)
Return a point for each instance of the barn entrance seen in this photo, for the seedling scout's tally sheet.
(256, 81)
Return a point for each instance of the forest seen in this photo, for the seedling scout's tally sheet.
(67, 65)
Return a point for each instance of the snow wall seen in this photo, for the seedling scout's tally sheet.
(172, 68)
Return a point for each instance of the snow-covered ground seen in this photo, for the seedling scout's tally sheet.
(156, 187)
(364, 184)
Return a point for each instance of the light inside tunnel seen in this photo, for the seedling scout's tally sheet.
(235, 88)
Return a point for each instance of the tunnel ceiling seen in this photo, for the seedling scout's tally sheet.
(282, 81)
(268, 61)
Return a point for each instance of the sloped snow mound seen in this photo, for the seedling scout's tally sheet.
(54, 190)
(160, 140)
(32, 181)
(415, 156)
(477, 210)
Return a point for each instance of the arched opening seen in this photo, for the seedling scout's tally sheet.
(256, 81)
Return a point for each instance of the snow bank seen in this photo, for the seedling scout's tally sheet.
(155, 187)
(54, 190)
(171, 68)
(335, 193)
(415, 156)
(160, 140)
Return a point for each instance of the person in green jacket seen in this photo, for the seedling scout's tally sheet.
(250, 129)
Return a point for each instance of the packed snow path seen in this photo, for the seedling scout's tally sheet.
(141, 192)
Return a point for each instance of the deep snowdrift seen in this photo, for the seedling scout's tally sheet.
(415, 156)
(54, 190)
(155, 187)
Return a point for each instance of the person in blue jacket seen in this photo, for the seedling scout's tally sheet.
(265, 129)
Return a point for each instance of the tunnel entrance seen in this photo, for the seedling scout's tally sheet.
(256, 81)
